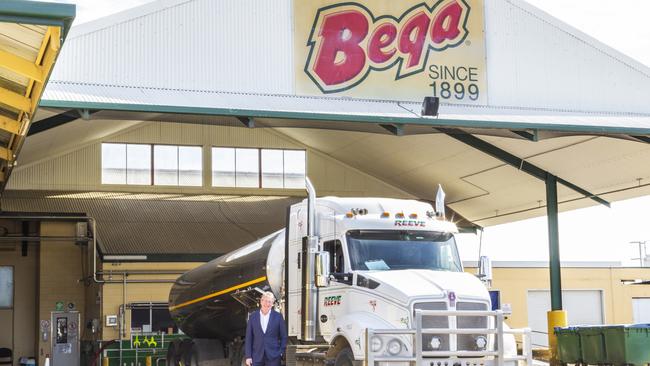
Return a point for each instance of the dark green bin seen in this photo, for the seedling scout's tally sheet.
(568, 345)
(627, 344)
(592, 342)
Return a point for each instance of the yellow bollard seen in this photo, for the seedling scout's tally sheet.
(556, 318)
(147, 361)
(105, 361)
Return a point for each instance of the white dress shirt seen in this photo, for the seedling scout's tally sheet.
(264, 320)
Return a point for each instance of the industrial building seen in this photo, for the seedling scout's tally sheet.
(175, 132)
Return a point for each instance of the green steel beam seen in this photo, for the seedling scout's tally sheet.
(642, 138)
(553, 242)
(395, 129)
(515, 161)
(328, 116)
(38, 13)
(527, 135)
(247, 121)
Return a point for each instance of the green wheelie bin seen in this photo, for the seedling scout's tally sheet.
(568, 345)
(592, 342)
(627, 344)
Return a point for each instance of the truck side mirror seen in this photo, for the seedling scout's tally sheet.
(322, 269)
(485, 270)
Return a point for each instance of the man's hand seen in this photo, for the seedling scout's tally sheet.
(249, 362)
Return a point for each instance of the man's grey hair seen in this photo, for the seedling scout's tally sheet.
(269, 295)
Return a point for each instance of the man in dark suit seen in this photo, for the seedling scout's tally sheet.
(266, 334)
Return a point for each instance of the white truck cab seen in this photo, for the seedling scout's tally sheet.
(394, 290)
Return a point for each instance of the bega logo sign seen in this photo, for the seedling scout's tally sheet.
(347, 41)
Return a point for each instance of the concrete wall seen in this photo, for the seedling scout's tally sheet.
(18, 326)
(80, 167)
(514, 284)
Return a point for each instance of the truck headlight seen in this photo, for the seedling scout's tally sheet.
(375, 344)
(394, 347)
(435, 342)
(481, 342)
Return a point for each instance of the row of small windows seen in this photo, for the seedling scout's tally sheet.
(169, 165)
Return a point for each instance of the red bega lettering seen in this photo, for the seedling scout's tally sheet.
(347, 41)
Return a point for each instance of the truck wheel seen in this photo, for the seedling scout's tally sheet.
(205, 352)
(344, 358)
(191, 358)
(173, 353)
(237, 356)
(185, 352)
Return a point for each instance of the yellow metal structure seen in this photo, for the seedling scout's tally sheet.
(31, 34)
(21, 66)
(556, 318)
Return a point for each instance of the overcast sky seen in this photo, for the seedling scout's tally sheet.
(590, 234)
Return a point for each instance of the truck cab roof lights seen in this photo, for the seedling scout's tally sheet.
(359, 211)
(413, 216)
(399, 215)
(349, 215)
(385, 214)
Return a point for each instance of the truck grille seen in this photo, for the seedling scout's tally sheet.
(433, 322)
(466, 342)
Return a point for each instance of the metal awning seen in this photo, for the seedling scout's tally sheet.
(31, 35)
(478, 153)
(340, 113)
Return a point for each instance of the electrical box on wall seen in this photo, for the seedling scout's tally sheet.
(65, 338)
(111, 320)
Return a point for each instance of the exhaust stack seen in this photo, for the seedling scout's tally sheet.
(309, 249)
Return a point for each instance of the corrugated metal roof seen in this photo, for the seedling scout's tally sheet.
(230, 44)
(163, 224)
(533, 60)
(309, 108)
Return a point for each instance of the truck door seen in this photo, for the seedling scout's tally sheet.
(329, 298)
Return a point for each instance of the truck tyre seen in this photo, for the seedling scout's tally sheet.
(191, 358)
(185, 352)
(237, 356)
(344, 358)
(205, 352)
(173, 353)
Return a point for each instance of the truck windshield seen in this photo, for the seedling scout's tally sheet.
(397, 249)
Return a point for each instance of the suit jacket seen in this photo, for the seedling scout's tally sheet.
(272, 343)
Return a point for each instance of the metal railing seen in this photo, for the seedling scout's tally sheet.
(417, 354)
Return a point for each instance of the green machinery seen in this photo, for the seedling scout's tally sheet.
(134, 351)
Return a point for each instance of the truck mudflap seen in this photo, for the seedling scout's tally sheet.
(411, 351)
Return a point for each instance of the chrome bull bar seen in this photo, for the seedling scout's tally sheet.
(494, 357)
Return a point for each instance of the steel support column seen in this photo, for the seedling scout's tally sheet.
(553, 242)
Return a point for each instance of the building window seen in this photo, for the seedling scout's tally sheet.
(151, 317)
(133, 164)
(247, 168)
(258, 168)
(6, 287)
(177, 165)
